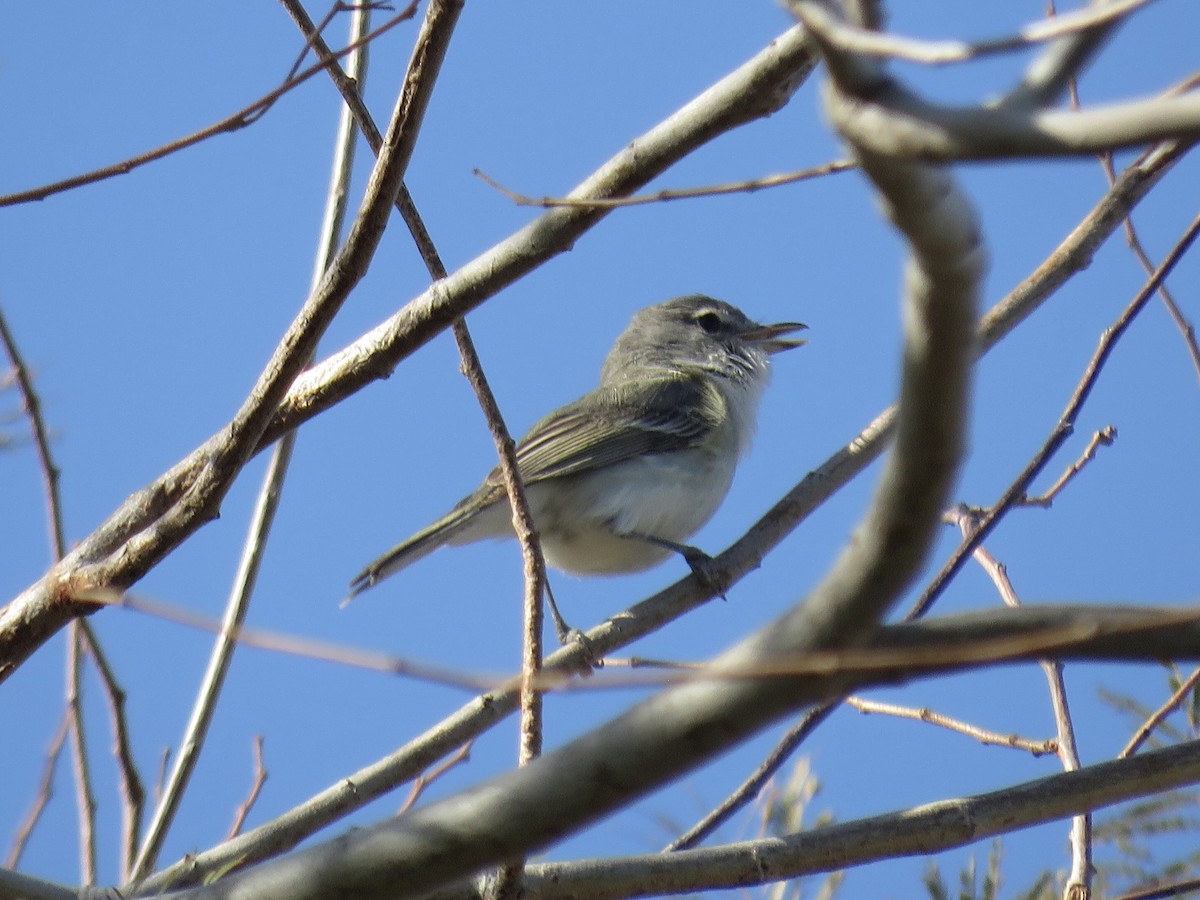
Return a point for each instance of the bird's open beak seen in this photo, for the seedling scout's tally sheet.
(771, 339)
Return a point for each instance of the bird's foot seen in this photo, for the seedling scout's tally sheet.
(703, 566)
(568, 635)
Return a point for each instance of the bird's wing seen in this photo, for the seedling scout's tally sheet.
(619, 422)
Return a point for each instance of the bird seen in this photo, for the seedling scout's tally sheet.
(617, 480)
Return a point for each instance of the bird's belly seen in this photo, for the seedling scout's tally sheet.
(668, 496)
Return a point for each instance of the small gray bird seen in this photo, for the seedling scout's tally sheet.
(619, 478)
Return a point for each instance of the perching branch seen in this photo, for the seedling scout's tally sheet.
(918, 831)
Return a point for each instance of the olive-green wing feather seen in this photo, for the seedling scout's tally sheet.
(619, 422)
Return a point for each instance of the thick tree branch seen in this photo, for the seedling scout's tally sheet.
(904, 125)
(922, 830)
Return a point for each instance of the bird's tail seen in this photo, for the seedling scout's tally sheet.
(409, 551)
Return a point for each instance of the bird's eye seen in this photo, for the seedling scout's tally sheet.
(709, 321)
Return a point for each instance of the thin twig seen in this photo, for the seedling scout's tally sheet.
(1068, 631)
(84, 795)
(425, 779)
(1186, 329)
(534, 565)
(925, 714)
(738, 187)
(311, 648)
(44, 792)
(86, 801)
(260, 778)
(234, 122)
(529, 741)
(1173, 702)
(1080, 878)
(132, 789)
(41, 439)
(745, 792)
(362, 13)
(1104, 437)
(131, 783)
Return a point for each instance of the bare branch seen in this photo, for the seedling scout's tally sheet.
(906, 126)
(925, 714)
(309, 648)
(132, 789)
(1069, 631)
(131, 783)
(1080, 878)
(923, 830)
(85, 797)
(893, 121)
(1104, 437)
(421, 782)
(535, 566)
(750, 787)
(260, 778)
(1173, 702)
(737, 187)
(847, 38)
(45, 791)
(1186, 329)
(917, 831)
(41, 438)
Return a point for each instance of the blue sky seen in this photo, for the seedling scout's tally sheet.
(147, 304)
